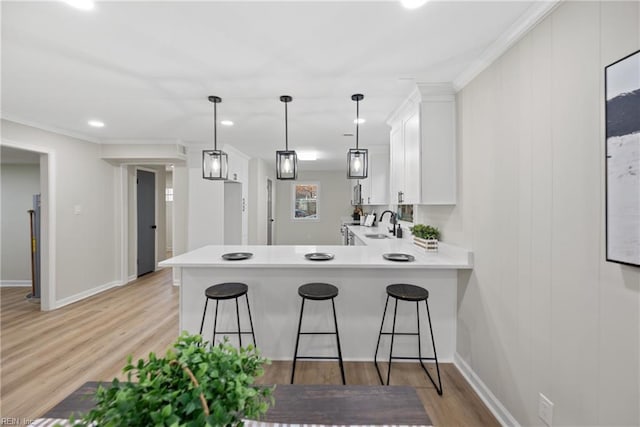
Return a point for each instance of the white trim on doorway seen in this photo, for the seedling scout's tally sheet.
(48, 209)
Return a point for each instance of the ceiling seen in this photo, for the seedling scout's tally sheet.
(146, 68)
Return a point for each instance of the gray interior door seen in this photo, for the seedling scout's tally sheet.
(146, 222)
(269, 212)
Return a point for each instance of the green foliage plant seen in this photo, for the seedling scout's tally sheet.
(195, 384)
(425, 231)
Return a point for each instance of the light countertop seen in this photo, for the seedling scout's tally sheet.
(368, 256)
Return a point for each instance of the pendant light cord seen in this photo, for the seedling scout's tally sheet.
(215, 126)
(286, 127)
(357, 122)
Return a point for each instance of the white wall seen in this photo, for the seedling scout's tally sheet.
(334, 203)
(259, 171)
(205, 217)
(19, 182)
(86, 244)
(542, 311)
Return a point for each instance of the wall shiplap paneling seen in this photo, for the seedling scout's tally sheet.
(541, 217)
(576, 213)
(619, 287)
(542, 311)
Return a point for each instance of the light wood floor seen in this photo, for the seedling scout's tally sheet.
(47, 355)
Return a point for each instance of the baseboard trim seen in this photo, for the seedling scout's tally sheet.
(86, 294)
(131, 278)
(15, 283)
(495, 406)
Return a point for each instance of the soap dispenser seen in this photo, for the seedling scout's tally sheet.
(399, 232)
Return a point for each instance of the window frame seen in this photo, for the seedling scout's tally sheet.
(294, 185)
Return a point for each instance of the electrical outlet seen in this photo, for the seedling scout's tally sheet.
(545, 409)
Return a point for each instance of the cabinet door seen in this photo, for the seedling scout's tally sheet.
(396, 164)
(438, 127)
(379, 178)
(412, 178)
(365, 185)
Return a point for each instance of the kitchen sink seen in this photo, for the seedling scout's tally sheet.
(376, 236)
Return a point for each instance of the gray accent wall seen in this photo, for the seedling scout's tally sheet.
(542, 311)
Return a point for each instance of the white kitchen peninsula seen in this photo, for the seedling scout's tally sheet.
(274, 274)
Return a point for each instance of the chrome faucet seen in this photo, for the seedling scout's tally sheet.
(393, 221)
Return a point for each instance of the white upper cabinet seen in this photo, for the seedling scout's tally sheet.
(411, 188)
(438, 130)
(238, 164)
(396, 163)
(405, 154)
(423, 148)
(375, 189)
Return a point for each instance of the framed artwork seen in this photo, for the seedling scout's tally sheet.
(305, 201)
(622, 163)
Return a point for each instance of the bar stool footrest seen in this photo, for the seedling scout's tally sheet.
(399, 333)
(318, 357)
(412, 358)
(317, 333)
(233, 332)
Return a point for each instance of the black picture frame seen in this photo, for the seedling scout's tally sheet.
(622, 160)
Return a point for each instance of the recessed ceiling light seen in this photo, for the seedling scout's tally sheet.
(96, 123)
(81, 4)
(359, 121)
(226, 123)
(413, 4)
(307, 155)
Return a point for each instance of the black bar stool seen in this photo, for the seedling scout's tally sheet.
(410, 293)
(318, 292)
(223, 291)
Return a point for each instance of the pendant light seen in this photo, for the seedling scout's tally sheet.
(287, 160)
(215, 162)
(357, 158)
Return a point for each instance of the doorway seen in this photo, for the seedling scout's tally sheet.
(43, 160)
(269, 212)
(146, 213)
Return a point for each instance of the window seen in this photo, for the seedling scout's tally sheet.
(405, 213)
(305, 201)
(168, 193)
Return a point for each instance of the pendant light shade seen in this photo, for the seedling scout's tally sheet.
(286, 160)
(357, 158)
(215, 163)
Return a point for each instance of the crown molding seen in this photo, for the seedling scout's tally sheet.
(142, 141)
(536, 13)
(52, 129)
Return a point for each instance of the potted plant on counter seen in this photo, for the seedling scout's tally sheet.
(195, 384)
(426, 236)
